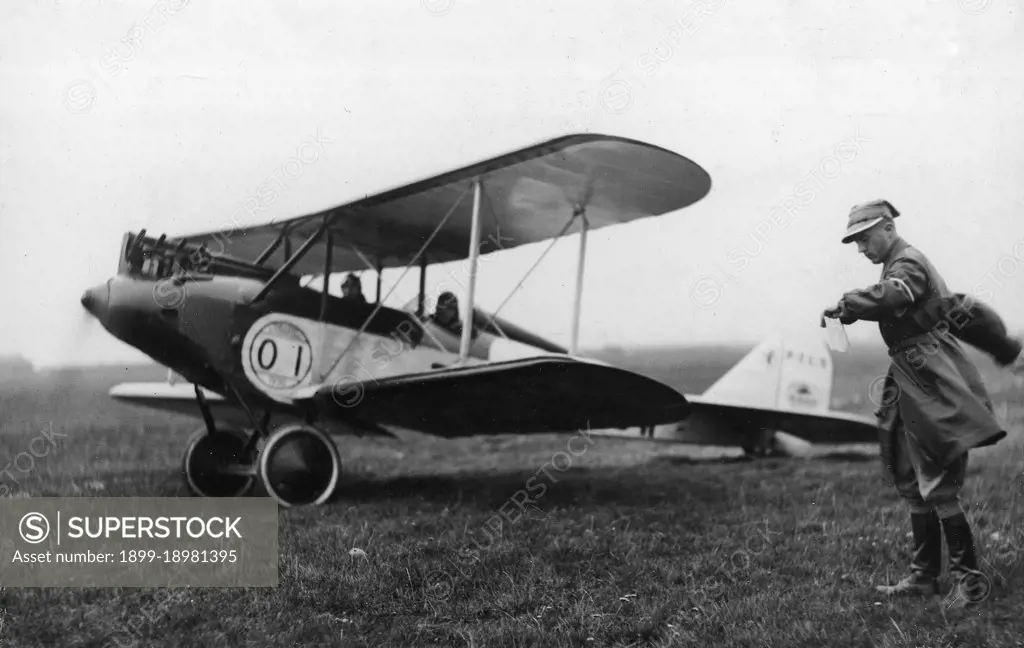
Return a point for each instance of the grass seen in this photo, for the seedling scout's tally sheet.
(629, 544)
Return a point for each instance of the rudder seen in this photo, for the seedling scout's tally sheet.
(776, 374)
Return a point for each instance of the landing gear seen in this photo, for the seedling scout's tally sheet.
(215, 464)
(764, 444)
(297, 465)
(300, 465)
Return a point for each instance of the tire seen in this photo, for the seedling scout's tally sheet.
(299, 466)
(204, 453)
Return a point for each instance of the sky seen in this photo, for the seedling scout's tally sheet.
(117, 116)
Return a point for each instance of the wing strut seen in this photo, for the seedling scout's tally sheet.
(423, 285)
(474, 255)
(328, 253)
(269, 250)
(536, 263)
(325, 295)
(380, 302)
(301, 252)
(577, 300)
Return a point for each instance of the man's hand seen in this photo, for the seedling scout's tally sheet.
(831, 313)
(839, 313)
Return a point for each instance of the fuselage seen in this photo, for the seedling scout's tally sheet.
(208, 329)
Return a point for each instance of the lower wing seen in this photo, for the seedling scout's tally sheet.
(177, 398)
(157, 394)
(180, 398)
(531, 395)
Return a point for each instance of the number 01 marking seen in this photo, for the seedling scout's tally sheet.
(280, 356)
(269, 347)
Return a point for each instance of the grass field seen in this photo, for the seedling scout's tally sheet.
(628, 544)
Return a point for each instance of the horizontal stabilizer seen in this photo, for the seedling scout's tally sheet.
(830, 427)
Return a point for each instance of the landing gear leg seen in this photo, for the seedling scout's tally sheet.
(216, 462)
(298, 464)
(260, 432)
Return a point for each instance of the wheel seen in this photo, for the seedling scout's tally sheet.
(768, 445)
(300, 465)
(777, 449)
(754, 452)
(206, 458)
(761, 444)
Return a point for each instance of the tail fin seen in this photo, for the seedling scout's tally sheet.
(776, 374)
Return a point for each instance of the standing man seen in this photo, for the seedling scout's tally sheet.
(936, 407)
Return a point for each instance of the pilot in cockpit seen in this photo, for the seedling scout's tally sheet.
(447, 312)
(352, 289)
(447, 315)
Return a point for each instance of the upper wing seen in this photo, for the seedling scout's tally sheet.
(830, 428)
(541, 394)
(527, 196)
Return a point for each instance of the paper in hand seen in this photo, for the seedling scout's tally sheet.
(836, 335)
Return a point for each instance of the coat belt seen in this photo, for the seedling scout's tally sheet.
(913, 340)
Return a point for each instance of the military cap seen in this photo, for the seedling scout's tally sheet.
(867, 215)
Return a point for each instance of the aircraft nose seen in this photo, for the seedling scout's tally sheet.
(95, 300)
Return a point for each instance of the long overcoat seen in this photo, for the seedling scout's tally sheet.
(931, 384)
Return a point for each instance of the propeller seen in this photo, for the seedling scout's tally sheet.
(84, 328)
(66, 382)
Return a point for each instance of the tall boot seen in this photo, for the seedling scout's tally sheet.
(926, 565)
(969, 585)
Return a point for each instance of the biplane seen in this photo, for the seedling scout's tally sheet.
(276, 368)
